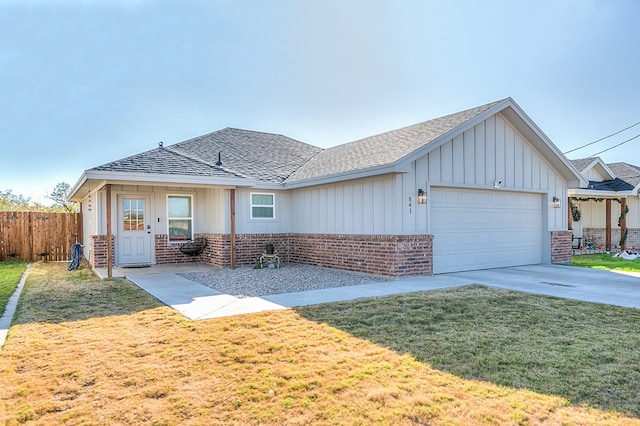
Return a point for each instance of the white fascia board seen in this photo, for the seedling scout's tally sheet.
(269, 186)
(600, 194)
(541, 142)
(451, 134)
(354, 174)
(602, 166)
(170, 179)
(77, 186)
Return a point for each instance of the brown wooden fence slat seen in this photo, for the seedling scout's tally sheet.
(37, 235)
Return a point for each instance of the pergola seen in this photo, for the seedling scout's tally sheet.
(606, 191)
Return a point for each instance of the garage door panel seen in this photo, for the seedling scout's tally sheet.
(476, 229)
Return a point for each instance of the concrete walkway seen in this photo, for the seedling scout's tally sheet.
(198, 302)
(10, 308)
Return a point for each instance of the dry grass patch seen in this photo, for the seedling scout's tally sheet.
(85, 351)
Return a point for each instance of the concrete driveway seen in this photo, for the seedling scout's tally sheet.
(589, 285)
(199, 302)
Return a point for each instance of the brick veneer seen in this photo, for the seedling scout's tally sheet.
(561, 246)
(600, 236)
(389, 255)
(98, 251)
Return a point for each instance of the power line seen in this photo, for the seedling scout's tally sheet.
(606, 137)
(615, 146)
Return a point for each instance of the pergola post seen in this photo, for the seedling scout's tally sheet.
(608, 224)
(109, 246)
(232, 227)
(623, 222)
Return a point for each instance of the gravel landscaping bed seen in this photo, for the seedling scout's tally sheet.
(289, 278)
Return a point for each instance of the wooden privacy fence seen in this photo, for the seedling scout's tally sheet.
(38, 235)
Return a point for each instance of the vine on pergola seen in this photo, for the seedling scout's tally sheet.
(575, 213)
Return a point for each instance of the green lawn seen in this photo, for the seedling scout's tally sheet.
(605, 261)
(10, 273)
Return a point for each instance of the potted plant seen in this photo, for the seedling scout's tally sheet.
(268, 248)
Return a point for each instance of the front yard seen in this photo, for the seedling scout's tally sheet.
(84, 351)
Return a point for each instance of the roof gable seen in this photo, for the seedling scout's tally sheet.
(593, 167)
(384, 149)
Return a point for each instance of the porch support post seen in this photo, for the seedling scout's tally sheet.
(232, 226)
(569, 215)
(623, 221)
(109, 246)
(608, 224)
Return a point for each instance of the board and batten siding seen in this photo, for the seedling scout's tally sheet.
(246, 225)
(594, 214)
(364, 206)
(594, 175)
(492, 151)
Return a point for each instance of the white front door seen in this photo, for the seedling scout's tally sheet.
(134, 231)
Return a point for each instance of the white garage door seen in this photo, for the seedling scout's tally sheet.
(476, 229)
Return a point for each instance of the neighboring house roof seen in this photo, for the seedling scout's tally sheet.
(619, 177)
(583, 163)
(383, 149)
(596, 164)
(616, 184)
(626, 171)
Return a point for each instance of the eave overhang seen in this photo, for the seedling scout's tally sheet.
(92, 180)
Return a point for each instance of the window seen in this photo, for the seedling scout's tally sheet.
(180, 217)
(262, 206)
(132, 215)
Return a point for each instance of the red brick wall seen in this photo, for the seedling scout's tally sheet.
(389, 255)
(98, 251)
(561, 246)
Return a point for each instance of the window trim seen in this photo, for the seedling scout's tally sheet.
(273, 205)
(191, 218)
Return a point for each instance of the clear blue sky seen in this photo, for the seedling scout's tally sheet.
(83, 83)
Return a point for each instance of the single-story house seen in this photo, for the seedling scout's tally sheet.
(477, 189)
(606, 214)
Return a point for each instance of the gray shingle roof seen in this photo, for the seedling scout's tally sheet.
(616, 184)
(164, 161)
(627, 172)
(383, 149)
(265, 157)
(277, 159)
(582, 163)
